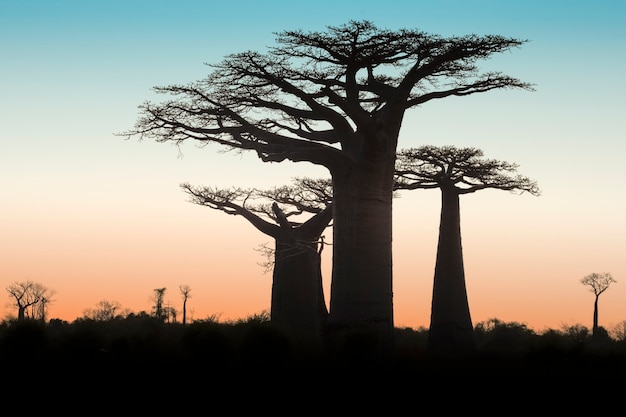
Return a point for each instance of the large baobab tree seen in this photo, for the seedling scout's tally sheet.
(454, 171)
(599, 282)
(336, 99)
(30, 298)
(298, 306)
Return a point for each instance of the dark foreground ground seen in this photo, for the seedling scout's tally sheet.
(554, 382)
(99, 369)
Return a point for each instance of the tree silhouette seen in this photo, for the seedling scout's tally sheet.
(336, 99)
(157, 297)
(599, 282)
(30, 298)
(169, 313)
(298, 305)
(454, 171)
(105, 310)
(185, 291)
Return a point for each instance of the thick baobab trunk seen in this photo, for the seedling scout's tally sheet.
(298, 306)
(361, 300)
(451, 327)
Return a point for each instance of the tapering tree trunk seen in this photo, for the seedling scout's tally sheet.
(361, 303)
(594, 331)
(298, 306)
(451, 327)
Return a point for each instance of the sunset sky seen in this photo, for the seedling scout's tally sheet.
(96, 217)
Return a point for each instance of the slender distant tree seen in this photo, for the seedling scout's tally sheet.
(336, 99)
(185, 291)
(30, 298)
(170, 314)
(454, 171)
(599, 282)
(157, 298)
(298, 305)
(41, 311)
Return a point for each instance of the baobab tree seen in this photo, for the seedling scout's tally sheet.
(599, 282)
(30, 298)
(41, 310)
(298, 305)
(454, 171)
(157, 297)
(336, 99)
(185, 291)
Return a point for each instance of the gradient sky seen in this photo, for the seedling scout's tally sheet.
(95, 217)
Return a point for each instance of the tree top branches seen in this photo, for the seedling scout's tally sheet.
(465, 169)
(316, 92)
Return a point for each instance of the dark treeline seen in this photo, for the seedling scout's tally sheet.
(137, 343)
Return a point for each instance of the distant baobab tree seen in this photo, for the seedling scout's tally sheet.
(159, 313)
(298, 305)
(41, 311)
(185, 291)
(170, 313)
(454, 171)
(599, 282)
(30, 298)
(103, 311)
(337, 99)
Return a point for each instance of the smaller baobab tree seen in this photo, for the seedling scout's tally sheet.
(295, 216)
(30, 298)
(454, 171)
(599, 282)
(185, 292)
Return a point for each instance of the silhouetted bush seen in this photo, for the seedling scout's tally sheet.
(207, 339)
(85, 339)
(25, 338)
(261, 343)
(497, 337)
(410, 342)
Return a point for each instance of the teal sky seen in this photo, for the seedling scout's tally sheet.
(86, 212)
